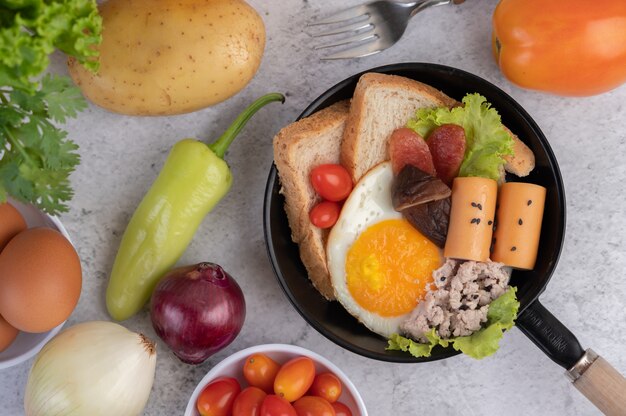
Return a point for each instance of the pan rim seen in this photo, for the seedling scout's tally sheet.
(315, 105)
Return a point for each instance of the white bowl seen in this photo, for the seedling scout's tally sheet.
(232, 367)
(28, 344)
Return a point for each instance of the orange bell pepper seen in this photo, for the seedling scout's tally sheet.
(566, 47)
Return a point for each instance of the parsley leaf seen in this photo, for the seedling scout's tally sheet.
(36, 156)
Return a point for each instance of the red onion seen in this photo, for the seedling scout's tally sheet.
(197, 310)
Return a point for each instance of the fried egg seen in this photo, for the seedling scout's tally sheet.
(380, 266)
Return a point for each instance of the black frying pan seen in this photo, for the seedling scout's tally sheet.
(601, 383)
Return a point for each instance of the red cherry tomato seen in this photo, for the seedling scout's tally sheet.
(326, 386)
(277, 406)
(324, 214)
(341, 409)
(294, 378)
(248, 402)
(218, 396)
(331, 182)
(313, 406)
(260, 371)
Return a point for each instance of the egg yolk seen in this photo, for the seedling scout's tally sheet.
(390, 266)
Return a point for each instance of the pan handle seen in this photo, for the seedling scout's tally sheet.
(591, 374)
(550, 335)
(599, 382)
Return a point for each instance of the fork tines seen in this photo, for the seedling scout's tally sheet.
(354, 22)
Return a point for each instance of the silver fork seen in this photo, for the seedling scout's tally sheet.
(371, 27)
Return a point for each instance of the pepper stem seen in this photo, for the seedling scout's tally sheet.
(220, 146)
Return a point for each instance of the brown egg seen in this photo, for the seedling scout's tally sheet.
(7, 334)
(11, 223)
(40, 280)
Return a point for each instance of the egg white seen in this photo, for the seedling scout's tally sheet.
(368, 204)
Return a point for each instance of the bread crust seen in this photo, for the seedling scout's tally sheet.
(522, 162)
(359, 107)
(295, 186)
(343, 120)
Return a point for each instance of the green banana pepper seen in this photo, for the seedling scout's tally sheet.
(193, 180)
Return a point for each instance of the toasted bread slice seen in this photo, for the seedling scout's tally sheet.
(298, 148)
(381, 104)
(522, 162)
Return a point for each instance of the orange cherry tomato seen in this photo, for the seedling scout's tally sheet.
(217, 398)
(277, 406)
(325, 214)
(260, 371)
(331, 182)
(341, 409)
(313, 406)
(248, 402)
(326, 386)
(294, 378)
(579, 52)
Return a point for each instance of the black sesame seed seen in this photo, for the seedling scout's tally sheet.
(474, 204)
(474, 220)
(513, 248)
(520, 222)
(490, 222)
(530, 201)
(477, 220)
(480, 207)
(443, 278)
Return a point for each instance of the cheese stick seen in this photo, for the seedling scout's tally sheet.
(518, 224)
(471, 218)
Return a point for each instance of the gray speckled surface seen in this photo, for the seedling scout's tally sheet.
(121, 156)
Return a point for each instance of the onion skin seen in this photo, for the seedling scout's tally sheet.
(93, 368)
(197, 311)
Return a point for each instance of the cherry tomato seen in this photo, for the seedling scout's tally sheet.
(341, 409)
(294, 378)
(277, 406)
(331, 182)
(324, 214)
(260, 371)
(326, 386)
(313, 406)
(248, 402)
(218, 396)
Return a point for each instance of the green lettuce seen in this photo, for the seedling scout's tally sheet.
(36, 156)
(30, 30)
(487, 140)
(482, 343)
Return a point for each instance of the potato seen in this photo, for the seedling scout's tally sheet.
(161, 57)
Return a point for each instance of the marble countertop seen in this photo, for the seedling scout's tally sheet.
(121, 156)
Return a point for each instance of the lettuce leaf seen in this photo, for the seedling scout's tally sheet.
(30, 30)
(36, 156)
(482, 343)
(487, 141)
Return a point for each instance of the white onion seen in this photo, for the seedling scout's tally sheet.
(94, 368)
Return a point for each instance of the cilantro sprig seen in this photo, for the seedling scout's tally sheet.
(36, 156)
